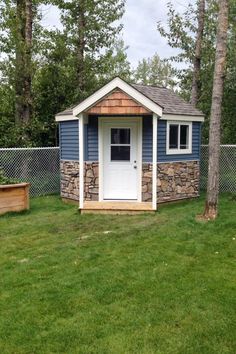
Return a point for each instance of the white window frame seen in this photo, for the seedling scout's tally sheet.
(114, 161)
(178, 150)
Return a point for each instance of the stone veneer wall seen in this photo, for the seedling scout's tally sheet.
(91, 183)
(177, 180)
(147, 182)
(70, 179)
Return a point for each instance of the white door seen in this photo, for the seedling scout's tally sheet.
(120, 160)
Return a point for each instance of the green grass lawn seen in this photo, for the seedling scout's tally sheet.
(160, 283)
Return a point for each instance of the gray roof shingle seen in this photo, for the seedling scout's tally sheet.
(168, 100)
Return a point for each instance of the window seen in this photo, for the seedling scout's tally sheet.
(179, 138)
(120, 144)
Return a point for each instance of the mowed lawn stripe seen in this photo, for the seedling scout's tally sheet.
(161, 283)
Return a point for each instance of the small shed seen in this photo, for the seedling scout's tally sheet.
(129, 147)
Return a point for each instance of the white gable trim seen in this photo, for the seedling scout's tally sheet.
(122, 85)
(105, 90)
(182, 118)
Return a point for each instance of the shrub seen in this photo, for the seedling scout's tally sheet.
(6, 180)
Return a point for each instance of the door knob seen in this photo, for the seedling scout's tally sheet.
(135, 167)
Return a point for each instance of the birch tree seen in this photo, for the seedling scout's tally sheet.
(196, 82)
(211, 207)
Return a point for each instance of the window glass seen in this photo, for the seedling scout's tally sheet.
(184, 136)
(173, 136)
(120, 136)
(120, 153)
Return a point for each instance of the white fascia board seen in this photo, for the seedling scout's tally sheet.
(122, 85)
(183, 118)
(62, 118)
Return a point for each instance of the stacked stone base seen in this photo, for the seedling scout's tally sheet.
(147, 182)
(70, 180)
(175, 181)
(91, 183)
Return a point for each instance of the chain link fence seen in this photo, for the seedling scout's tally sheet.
(227, 168)
(41, 168)
(38, 166)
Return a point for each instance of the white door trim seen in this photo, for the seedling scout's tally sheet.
(154, 161)
(101, 121)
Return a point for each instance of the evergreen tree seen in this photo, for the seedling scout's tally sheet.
(43, 72)
(18, 21)
(90, 31)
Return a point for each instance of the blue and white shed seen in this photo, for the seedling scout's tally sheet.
(129, 147)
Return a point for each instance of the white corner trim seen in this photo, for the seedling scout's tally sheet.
(140, 158)
(118, 83)
(179, 117)
(179, 151)
(154, 161)
(81, 160)
(62, 118)
(100, 160)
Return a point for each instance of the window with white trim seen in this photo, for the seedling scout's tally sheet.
(120, 144)
(179, 137)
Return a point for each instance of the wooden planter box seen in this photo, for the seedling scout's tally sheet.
(14, 197)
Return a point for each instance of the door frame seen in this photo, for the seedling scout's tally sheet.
(117, 119)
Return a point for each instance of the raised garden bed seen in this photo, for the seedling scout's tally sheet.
(14, 197)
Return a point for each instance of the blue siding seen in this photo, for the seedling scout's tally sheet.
(92, 140)
(161, 144)
(147, 139)
(69, 140)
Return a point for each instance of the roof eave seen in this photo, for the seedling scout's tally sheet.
(183, 117)
(65, 117)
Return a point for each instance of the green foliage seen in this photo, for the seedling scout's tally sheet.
(6, 180)
(154, 71)
(56, 66)
(90, 34)
(229, 99)
(100, 284)
(180, 34)
(116, 63)
(55, 63)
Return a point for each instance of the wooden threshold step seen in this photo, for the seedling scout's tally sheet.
(116, 207)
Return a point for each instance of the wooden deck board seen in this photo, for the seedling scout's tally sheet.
(116, 207)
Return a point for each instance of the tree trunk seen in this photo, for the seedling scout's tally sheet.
(23, 72)
(28, 53)
(80, 50)
(211, 208)
(19, 62)
(196, 83)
